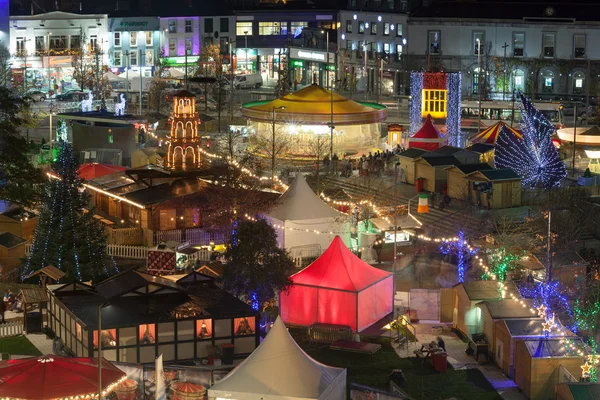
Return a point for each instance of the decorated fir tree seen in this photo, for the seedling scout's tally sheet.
(67, 236)
(534, 157)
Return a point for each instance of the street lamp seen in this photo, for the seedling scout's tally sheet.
(479, 81)
(246, 48)
(331, 126)
(273, 145)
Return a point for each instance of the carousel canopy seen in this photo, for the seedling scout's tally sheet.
(427, 138)
(490, 134)
(312, 106)
(299, 202)
(55, 377)
(280, 369)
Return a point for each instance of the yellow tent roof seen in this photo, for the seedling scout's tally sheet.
(312, 105)
(490, 134)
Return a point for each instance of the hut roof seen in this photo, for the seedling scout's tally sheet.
(412, 153)
(435, 161)
(50, 271)
(468, 168)
(487, 290)
(494, 175)
(555, 348)
(480, 148)
(508, 308)
(10, 240)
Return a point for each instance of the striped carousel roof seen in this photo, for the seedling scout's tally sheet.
(490, 134)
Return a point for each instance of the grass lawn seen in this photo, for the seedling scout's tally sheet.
(422, 382)
(19, 345)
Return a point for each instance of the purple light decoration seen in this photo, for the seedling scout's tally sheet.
(416, 95)
(534, 158)
(453, 85)
(461, 248)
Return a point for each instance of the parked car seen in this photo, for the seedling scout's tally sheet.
(248, 81)
(71, 95)
(37, 95)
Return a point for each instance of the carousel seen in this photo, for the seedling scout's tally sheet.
(300, 118)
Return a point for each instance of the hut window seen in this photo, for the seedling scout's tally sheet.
(244, 326)
(128, 336)
(147, 334)
(78, 330)
(222, 328)
(204, 328)
(108, 338)
(166, 332)
(185, 330)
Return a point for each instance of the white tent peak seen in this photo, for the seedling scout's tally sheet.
(280, 369)
(299, 202)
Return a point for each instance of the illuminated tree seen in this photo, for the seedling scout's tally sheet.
(463, 251)
(501, 263)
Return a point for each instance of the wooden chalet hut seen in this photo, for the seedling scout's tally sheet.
(12, 251)
(19, 222)
(432, 168)
(458, 186)
(510, 331)
(467, 316)
(539, 363)
(407, 163)
(484, 151)
(495, 188)
(498, 310)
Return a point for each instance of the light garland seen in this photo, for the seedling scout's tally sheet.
(534, 158)
(416, 98)
(455, 136)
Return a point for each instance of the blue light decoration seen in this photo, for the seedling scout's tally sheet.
(548, 300)
(297, 32)
(534, 158)
(254, 301)
(455, 137)
(462, 249)
(416, 96)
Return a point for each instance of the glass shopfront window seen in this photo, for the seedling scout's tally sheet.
(204, 328)
(108, 338)
(272, 28)
(243, 28)
(244, 326)
(147, 334)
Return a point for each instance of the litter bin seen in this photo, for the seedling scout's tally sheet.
(419, 184)
(439, 361)
(227, 351)
(34, 322)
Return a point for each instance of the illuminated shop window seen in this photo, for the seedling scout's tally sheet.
(434, 103)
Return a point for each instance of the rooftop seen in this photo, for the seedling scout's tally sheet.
(468, 168)
(494, 175)
(436, 161)
(555, 348)
(525, 327)
(509, 308)
(9, 240)
(487, 290)
(413, 153)
(480, 148)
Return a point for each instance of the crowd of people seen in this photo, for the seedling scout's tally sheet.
(10, 302)
(372, 164)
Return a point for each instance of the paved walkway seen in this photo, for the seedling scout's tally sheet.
(457, 357)
(41, 341)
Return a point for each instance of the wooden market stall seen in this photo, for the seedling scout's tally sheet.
(12, 251)
(467, 315)
(48, 275)
(496, 188)
(34, 299)
(498, 310)
(485, 152)
(538, 364)
(459, 187)
(407, 164)
(509, 331)
(432, 169)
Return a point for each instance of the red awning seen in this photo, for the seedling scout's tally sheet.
(338, 268)
(427, 138)
(94, 170)
(55, 377)
(427, 131)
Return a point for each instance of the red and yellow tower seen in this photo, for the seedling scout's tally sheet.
(183, 153)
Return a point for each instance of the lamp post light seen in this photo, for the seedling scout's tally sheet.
(100, 307)
(246, 48)
(330, 87)
(273, 145)
(479, 82)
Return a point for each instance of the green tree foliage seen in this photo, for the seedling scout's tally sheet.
(256, 268)
(67, 235)
(20, 181)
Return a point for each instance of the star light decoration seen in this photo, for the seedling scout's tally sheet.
(534, 158)
(547, 300)
(461, 248)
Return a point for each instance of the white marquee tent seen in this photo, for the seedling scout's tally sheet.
(302, 213)
(280, 370)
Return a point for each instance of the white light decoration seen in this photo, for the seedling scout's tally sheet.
(392, 27)
(120, 107)
(354, 17)
(343, 36)
(366, 24)
(379, 18)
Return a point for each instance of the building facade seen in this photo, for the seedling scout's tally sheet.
(371, 45)
(4, 19)
(545, 52)
(43, 48)
(134, 43)
(180, 41)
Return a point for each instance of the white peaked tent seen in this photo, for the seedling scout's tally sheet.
(302, 213)
(280, 370)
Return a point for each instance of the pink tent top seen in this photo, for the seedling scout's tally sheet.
(338, 268)
(427, 131)
(91, 171)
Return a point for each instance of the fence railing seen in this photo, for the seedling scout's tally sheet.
(196, 237)
(127, 236)
(12, 328)
(125, 251)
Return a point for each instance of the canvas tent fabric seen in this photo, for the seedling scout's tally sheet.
(427, 138)
(338, 288)
(300, 212)
(279, 369)
(490, 134)
(91, 171)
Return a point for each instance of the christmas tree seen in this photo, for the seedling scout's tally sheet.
(535, 157)
(67, 235)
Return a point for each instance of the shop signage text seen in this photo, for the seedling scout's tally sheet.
(134, 24)
(311, 55)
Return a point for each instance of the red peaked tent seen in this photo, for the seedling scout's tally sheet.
(91, 171)
(427, 138)
(338, 288)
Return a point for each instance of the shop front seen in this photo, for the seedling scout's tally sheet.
(50, 74)
(176, 66)
(308, 66)
(246, 60)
